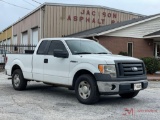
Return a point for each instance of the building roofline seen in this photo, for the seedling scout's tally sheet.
(152, 36)
(28, 14)
(104, 30)
(64, 4)
(129, 25)
(96, 6)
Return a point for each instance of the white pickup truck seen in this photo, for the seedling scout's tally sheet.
(79, 64)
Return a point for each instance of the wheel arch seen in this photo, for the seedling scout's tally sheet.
(15, 67)
(79, 73)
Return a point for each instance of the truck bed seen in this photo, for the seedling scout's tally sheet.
(25, 62)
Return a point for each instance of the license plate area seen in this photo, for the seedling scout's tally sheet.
(137, 86)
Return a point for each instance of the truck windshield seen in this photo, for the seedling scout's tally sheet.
(86, 47)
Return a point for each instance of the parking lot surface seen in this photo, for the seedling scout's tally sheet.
(44, 102)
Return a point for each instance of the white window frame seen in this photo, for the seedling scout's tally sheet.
(128, 46)
(156, 53)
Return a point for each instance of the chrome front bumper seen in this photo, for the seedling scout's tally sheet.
(119, 87)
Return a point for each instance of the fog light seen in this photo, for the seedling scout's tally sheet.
(113, 87)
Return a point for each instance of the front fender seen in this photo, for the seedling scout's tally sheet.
(82, 66)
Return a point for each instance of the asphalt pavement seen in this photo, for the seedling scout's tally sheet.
(44, 102)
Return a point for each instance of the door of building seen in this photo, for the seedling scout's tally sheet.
(157, 49)
(35, 36)
(24, 41)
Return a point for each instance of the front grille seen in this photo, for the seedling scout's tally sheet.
(125, 69)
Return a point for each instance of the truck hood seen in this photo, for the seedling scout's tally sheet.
(108, 58)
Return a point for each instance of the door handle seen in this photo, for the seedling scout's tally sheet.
(45, 60)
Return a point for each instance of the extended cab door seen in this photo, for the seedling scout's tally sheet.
(38, 61)
(56, 70)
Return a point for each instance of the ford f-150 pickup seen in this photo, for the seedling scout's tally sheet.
(80, 64)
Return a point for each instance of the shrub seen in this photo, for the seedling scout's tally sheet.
(152, 64)
(123, 53)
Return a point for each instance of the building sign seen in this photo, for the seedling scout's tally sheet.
(85, 15)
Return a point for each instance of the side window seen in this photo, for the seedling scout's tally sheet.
(56, 45)
(42, 47)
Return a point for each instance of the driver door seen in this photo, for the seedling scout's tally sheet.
(56, 70)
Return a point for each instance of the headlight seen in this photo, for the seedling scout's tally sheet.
(108, 69)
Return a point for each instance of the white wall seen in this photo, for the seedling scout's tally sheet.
(138, 31)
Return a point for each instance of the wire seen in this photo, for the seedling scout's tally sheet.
(29, 3)
(14, 5)
(36, 2)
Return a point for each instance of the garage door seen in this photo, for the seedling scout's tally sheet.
(8, 43)
(35, 36)
(25, 38)
(24, 42)
(4, 42)
(15, 40)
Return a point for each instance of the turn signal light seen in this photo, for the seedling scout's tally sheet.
(101, 68)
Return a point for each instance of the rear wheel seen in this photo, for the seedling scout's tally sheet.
(129, 95)
(86, 89)
(18, 81)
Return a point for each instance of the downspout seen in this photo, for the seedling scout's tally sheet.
(43, 22)
(12, 36)
(40, 26)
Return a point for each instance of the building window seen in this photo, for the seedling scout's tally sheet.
(130, 49)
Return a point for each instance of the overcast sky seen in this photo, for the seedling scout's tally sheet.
(10, 14)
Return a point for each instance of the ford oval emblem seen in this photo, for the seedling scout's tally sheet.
(134, 69)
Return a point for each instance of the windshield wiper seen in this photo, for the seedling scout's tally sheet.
(83, 53)
(102, 53)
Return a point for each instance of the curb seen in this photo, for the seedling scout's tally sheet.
(154, 80)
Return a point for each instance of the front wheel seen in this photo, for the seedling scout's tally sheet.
(129, 95)
(18, 81)
(86, 89)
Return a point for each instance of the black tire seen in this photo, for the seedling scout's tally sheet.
(129, 95)
(18, 81)
(92, 93)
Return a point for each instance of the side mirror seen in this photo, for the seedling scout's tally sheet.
(60, 54)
